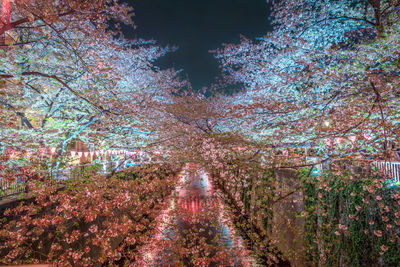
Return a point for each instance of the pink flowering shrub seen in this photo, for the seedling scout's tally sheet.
(85, 220)
(352, 219)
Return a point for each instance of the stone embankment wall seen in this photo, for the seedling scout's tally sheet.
(287, 224)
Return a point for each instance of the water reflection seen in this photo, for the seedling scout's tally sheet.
(196, 234)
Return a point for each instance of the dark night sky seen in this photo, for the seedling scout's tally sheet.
(197, 27)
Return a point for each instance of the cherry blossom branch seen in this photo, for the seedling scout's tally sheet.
(54, 77)
(12, 25)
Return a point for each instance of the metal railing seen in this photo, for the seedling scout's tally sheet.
(8, 189)
(391, 169)
(12, 189)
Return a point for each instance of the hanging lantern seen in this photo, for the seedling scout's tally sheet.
(5, 11)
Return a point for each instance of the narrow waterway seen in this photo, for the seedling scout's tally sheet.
(195, 230)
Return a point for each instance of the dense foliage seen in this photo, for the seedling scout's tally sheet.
(87, 219)
(352, 220)
(65, 76)
(328, 71)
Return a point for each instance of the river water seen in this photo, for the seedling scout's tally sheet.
(195, 230)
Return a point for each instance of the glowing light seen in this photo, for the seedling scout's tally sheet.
(5, 12)
(327, 123)
(104, 168)
(315, 172)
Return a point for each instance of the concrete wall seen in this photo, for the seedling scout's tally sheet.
(287, 226)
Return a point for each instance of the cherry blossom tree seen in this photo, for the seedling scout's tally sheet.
(326, 78)
(305, 73)
(66, 76)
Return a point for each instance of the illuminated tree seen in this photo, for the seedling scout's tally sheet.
(326, 78)
(320, 65)
(66, 76)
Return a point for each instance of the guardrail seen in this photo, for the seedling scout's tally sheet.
(66, 173)
(391, 169)
(12, 189)
(8, 189)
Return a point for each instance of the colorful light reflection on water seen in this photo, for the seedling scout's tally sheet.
(196, 224)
